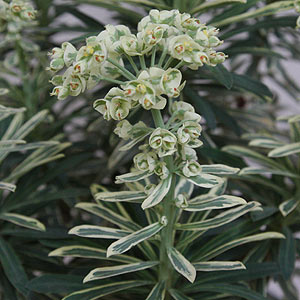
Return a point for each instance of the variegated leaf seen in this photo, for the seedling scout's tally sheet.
(207, 266)
(181, 264)
(184, 187)
(158, 292)
(158, 194)
(177, 295)
(99, 232)
(124, 196)
(204, 180)
(131, 177)
(90, 252)
(133, 142)
(219, 202)
(221, 219)
(238, 242)
(127, 242)
(104, 290)
(7, 186)
(108, 215)
(219, 189)
(23, 221)
(105, 272)
(288, 206)
(266, 143)
(261, 170)
(219, 169)
(285, 150)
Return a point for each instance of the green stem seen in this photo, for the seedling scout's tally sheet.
(112, 80)
(169, 210)
(142, 61)
(124, 71)
(153, 56)
(135, 68)
(180, 64)
(163, 56)
(169, 61)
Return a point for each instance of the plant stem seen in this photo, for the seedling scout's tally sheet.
(180, 64)
(136, 70)
(169, 61)
(112, 80)
(169, 210)
(142, 61)
(163, 56)
(124, 71)
(153, 56)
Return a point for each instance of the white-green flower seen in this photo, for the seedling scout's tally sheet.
(145, 161)
(61, 92)
(69, 53)
(191, 168)
(122, 129)
(163, 141)
(161, 170)
(170, 82)
(181, 201)
(153, 33)
(185, 111)
(103, 107)
(189, 133)
(131, 45)
(183, 47)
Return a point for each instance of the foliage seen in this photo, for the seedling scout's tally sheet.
(214, 194)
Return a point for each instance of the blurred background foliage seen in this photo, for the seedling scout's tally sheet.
(240, 113)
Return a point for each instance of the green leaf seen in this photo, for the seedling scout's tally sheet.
(104, 290)
(219, 202)
(233, 290)
(13, 268)
(108, 215)
(287, 254)
(238, 242)
(23, 221)
(219, 169)
(90, 252)
(265, 143)
(29, 146)
(7, 186)
(132, 177)
(158, 194)
(99, 232)
(221, 74)
(48, 283)
(204, 180)
(105, 272)
(285, 150)
(288, 206)
(134, 141)
(158, 292)
(127, 242)
(126, 196)
(257, 51)
(214, 4)
(266, 10)
(177, 295)
(181, 264)
(218, 266)
(221, 219)
(261, 171)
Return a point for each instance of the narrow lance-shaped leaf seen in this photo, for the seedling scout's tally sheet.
(105, 272)
(204, 180)
(220, 202)
(158, 194)
(219, 169)
(285, 150)
(177, 295)
(261, 171)
(7, 186)
(221, 219)
(100, 232)
(181, 264)
(265, 143)
(23, 221)
(126, 196)
(90, 252)
(288, 206)
(207, 266)
(158, 292)
(127, 242)
(213, 4)
(131, 177)
(104, 290)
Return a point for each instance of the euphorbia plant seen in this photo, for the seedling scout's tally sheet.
(166, 171)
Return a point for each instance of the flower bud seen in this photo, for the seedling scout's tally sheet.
(122, 129)
(145, 161)
(161, 170)
(191, 168)
(164, 141)
(170, 82)
(60, 92)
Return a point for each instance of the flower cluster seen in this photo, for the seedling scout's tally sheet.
(177, 36)
(14, 16)
(183, 41)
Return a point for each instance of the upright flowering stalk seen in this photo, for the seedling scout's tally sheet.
(167, 167)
